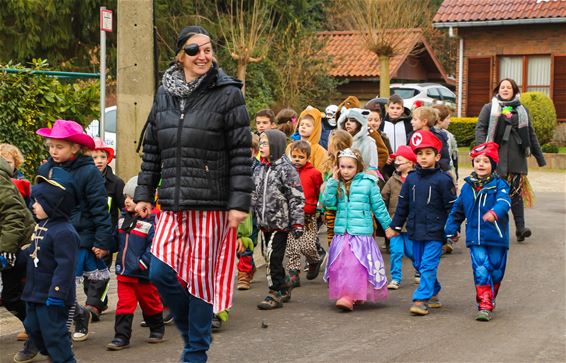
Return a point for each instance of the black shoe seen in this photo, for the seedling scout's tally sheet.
(314, 269)
(155, 337)
(117, 344)
(216, 324)
(28, 352)
(81, 326)
(168, 319)
(522, 234)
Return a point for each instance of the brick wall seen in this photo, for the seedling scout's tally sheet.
(493, 41)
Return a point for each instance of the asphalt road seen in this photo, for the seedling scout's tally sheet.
(529, 324)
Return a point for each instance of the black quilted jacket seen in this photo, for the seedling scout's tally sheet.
(201, 153)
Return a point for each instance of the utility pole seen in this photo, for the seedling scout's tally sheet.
(135, 80)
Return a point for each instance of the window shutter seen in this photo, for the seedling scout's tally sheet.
(559, 86)
(479, 85)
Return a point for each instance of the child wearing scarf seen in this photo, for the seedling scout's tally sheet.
(484, 202)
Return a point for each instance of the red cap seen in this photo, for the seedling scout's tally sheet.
(489, 149)
(405, 152)
(421, 139)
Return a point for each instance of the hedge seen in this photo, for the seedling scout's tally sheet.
(464, 129)
(542, 113)
(30, 102)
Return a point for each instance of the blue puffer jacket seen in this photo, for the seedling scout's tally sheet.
(472, 205)
(134, 247)
(90, 217)
(354, 210)
(424, 203)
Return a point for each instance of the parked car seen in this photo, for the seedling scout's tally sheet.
(424, 94)
(109, 128)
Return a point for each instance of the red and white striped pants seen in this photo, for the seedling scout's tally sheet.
(201, 247)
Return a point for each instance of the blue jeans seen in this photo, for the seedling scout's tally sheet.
(399, 246)
(426, 256)
(488, 263)
(193, 316)
(47, 328)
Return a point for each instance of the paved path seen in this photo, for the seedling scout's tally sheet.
(530, 322)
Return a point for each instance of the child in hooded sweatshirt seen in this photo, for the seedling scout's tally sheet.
(49, 292)
(355, 271)
(397, 122)
(278, 203)
(309, 127)
(135, 234)
(355, 121)
(311, 180)
(66, 141)
(484, 202)
(425, 200)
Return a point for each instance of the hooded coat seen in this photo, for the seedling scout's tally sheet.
(361, 140)
(202, 152)
(278, 199)
(319, 155)
(55, 244)
(90, 215)
(16, 221)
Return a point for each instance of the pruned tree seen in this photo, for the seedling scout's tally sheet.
(247, 31)
(376, 20)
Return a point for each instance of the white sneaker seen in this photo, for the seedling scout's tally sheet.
(394, 285)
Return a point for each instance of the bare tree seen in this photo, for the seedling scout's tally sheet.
(247, 31)
(377, 21)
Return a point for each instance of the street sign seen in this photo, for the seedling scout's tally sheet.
(106, 20)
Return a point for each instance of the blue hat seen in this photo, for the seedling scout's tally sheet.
(56, 193)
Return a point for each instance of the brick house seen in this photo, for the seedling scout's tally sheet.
(519, 39)
(352, 61)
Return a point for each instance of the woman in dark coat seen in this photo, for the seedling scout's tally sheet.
(198, 143)
(508, 123)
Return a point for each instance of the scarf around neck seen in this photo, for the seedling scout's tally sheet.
(478, 183)
(504, 108)
(174, 82)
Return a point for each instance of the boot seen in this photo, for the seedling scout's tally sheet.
(82, 320)
(295, 279)
(122, 329)
(156, 327)
(96, 294)
(484, 297)
(244, 280)
(28, 352)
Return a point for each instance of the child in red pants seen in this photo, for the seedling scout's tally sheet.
(135, 233)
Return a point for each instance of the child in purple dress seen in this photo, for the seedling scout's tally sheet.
(355, 271)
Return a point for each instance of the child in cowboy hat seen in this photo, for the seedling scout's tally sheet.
(66, 141)
(484, 202)
(424, 203)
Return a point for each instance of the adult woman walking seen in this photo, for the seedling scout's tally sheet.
(507, 122)
(197, 142)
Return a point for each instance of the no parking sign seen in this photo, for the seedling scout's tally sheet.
(106, 20)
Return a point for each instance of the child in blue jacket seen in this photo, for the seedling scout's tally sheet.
(484, 202)
(355, 271)
(49, 292)
(424, 203)
(135, 234)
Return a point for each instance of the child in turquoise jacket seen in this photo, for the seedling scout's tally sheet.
(355, 271)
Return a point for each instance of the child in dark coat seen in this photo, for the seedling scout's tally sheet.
(135, 234)
(50, 286)
(424, 203)
(484, 202)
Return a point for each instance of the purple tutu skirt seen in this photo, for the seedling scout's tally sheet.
(355, 269)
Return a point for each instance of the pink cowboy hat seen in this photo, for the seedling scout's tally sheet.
(69, 131)
(100, 145)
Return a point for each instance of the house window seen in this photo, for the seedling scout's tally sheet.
(532, 73)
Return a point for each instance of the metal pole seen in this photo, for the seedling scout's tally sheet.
(102, 78)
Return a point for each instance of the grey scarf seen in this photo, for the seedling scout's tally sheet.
(174, 82)
(523, 120)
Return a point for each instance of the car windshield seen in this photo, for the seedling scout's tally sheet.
(110, 121)
(404, 93)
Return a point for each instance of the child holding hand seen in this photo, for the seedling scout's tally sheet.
(484, 202)
(355, 271)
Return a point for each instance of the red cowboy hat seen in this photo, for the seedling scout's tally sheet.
(69, 131)
(100, 145)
